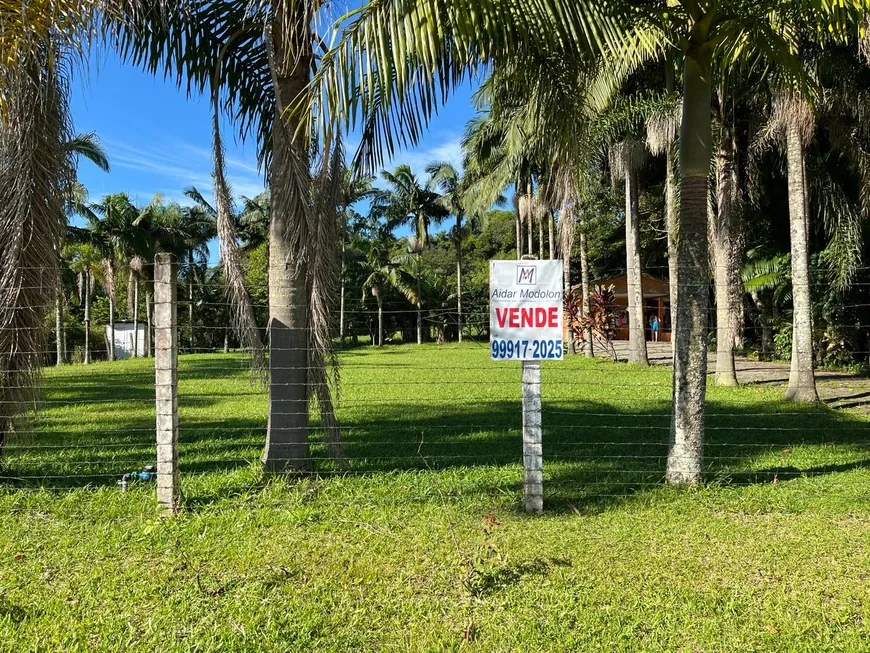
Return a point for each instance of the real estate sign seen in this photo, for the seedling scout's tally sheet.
(525, 310)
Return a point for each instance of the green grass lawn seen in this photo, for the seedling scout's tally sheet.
(424, 545)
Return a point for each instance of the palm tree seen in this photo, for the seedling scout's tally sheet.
(768, 281)
(725, 238)
(661, 136)
(198, 224)
(453, 38)
(86, 146)
(112, 226)
(39, 40)
(83, 259)
(198, 227)
(408, 202)
(253, 220)
(255, 60)
(452, 187)
(497, 154)
(356, 188)
(382, 274)
(627, 159)
(792, 122)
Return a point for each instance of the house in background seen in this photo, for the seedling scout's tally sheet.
(656, 301)
(124, 339)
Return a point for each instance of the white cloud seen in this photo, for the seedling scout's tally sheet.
(175, 164)
(449, 150)
(178, 164)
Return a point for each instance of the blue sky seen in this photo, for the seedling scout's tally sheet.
(158, 139)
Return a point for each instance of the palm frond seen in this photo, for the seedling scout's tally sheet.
(328, 187)
(241, 307)
(90, 147)
(395, 61)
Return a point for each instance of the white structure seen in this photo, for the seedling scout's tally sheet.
(124, 339)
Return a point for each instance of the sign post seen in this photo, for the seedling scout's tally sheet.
(525, 324)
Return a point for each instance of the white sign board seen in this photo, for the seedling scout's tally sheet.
(525, 310)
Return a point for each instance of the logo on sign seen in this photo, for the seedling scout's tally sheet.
(526, 276)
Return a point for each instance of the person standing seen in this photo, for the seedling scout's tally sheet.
(654, 326)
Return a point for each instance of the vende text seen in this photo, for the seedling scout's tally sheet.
(527, 317)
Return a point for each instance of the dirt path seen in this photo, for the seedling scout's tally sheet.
(837, 389)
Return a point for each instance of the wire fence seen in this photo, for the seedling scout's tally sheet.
(407, 408)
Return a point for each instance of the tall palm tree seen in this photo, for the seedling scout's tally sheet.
(453, 38)
(112, 226)
(83, 260)
(35, 175)
(406, 201)
(451, 184)
(198, 224)
(726, 236)
(628, 158)
(356, 188)
(662, 128)
(793, 122)
(84, 146)
(255, 60)
(37, 42)
(198, 227)
(382, 274)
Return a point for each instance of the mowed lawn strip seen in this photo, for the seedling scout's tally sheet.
(422, 544)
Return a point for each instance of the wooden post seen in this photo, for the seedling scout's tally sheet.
(533, 463)
(166, 381)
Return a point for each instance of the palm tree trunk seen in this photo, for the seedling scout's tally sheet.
(419, 311)
(541, 237)
(109, 268)
(802, 380)
(341, 300)
(459, 278)
(671, 218)
(58, 327)
(566, 291)
(584, 289)
(550, 219)
(685, 455)
(380, 322)
(87, 289)
(636, 323)
(190, 298)
(287, 435)
(111, 327)
(530, 218)
(726, 263)
(671, 213)
(136, 317)
(287, 446)
(147, 323)
(226, 341)
(530, 247)
(519, 237)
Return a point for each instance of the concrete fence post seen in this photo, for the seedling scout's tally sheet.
(533, 455)
(166, 380)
